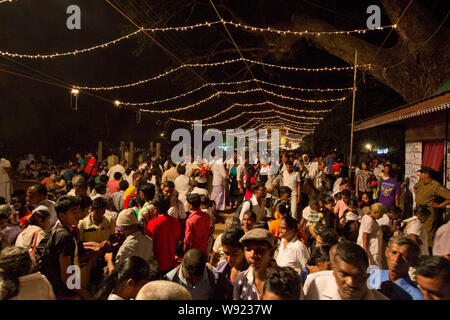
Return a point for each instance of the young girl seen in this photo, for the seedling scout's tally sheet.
(33, 234)
(126, 280)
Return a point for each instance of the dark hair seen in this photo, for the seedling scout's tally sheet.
(169, 184)
(194, 262)
(251, 214)
(14, 263)
(328, 236)
(134, 268)
(205, 200)
(314, 200)
(98, 203)
(123, 185)
(37, 216)
(346, 193)
(351, 253)
(2, 200)
(396, 210)
(284, 190)
(433, 267)
(40, 188)
(289, 163)
(256, 186)
(284, 282)
(64, 203)
(195, 200)
(85, 202)
(148, 189)
(100, 187)
(231, 236)
(181, 169)
(103, 179)
(321, 253)
(422, 210)
(117, 175)
(290, 221)
(162, 204)
(284, 207)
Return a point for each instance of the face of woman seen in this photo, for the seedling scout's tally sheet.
(247, 223)
(233, 255)
(285, 232)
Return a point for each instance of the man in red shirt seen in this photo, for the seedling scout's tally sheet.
(165, 232)
(91, 167)
(197, 226)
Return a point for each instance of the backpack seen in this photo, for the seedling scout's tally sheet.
(237, 214)
(42, 259)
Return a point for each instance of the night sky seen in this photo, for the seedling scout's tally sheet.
(36, 117)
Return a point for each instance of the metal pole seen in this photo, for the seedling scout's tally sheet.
(445, 148)
(353, 117)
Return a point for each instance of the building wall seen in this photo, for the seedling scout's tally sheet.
(413, 158)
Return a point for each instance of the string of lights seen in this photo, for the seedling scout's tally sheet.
(149, 103)
(252, 112)
(159, 76)
(187, 28)
(251, 105)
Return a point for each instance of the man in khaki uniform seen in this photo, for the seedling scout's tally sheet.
(427, 190)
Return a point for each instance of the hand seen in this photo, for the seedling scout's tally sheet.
(241, 190)
(434, 204)
(108, 257)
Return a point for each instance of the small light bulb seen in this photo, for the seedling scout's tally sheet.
(117, 102)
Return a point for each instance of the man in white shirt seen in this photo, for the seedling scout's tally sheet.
(258, 201)
(182, 183)
(120, 167)
(241, 172)
(219, 182)
(415, 228)
(291, 179)
(348, 279)
(6, 187)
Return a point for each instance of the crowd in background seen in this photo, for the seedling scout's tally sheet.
(303, 228)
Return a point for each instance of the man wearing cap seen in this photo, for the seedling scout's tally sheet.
(136, 243)
(197, 226)
(259, 248)
(427, 191)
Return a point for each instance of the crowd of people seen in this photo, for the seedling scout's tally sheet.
(301, 229)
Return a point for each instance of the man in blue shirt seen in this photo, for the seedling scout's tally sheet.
(401, 253)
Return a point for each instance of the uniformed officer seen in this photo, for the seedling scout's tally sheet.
(427, 191)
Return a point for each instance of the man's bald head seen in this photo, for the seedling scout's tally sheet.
(163, 290)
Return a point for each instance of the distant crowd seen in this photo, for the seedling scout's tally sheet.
(307, 228)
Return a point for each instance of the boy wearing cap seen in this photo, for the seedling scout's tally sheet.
(136, 243)
(259, 248)
(197, 226)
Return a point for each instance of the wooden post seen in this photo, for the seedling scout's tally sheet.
(353, 118)
(130, 154)
(152, 147)
(122, 150)
(100, 151)
(158, 149)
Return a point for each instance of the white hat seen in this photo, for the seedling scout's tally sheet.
(126, 218)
